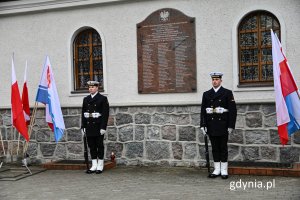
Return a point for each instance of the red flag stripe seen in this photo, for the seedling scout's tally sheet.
(25, 101)
(288, 84)
(283, 134)
(17, 111)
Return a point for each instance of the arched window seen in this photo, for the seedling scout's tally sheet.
(255, 48)
(88, 59)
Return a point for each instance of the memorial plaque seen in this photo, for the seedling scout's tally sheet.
(166, 53)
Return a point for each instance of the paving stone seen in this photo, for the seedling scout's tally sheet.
(147, 183)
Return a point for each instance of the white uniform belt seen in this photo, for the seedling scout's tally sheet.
(90, 115)
(225, 110)
(215, 110)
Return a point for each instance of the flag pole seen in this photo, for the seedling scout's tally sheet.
(2, 142)
(18, 144)
(12, 133)
(32, 119)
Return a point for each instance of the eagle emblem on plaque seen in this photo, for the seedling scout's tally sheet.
(164, 16)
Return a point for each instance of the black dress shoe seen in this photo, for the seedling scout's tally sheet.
(213, 175)
(90, 171)
(224, 176)
(98, 171)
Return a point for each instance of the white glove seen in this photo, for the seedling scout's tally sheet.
(209, 110)
(230, 130)
(204, 130)
(219, 110)
(96, 115)
(86, 115)
(102, 132)
(83, 132)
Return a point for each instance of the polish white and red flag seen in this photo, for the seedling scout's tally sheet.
(286, 93)
(17, 115)
(25, 98)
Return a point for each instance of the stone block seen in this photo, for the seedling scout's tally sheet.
(270, 121)
(240, 121)
(233, 152)
(5, 145)
(195, 119)
(61, 151)
(254, 120)
(139, 132)
(74, 135)
(142, 118)
(72, 121)
(75, 148)
(47, 149)
(182, 119)
(32, 149)
(134, 150)
(289, 154)
(74, 111)
(4, 133)
(296, 137)
(257, 136)
(126, 133)
(64, 111)
(44, 135)
(195, 109)
(250, 153)
(161, 119)
(112, 133)
(112, 110)
(41, 122)
(269, 153)
(123, 118)
(177, 150)
(187, 133)
(268, 109)
(115, 147)
(153, 132)
(111, 120)
(190, 151)
(40, 113)
(200, 135)
(237, 136)
(241, 108)
(157, 150)
(168, 132)
(6, 120)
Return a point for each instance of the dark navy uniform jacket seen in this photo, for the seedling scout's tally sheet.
(91, 105)
(218, 124)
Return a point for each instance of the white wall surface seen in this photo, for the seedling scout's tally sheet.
(34, 29)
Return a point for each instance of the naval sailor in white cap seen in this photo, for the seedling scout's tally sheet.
(218, 117)
(95, 113)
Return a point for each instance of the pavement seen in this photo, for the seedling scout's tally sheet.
(148, 183)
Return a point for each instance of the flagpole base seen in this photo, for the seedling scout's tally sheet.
(24, 162)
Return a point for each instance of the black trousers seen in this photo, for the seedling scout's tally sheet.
(96, 146)
(219, 147)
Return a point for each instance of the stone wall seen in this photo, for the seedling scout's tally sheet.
(157, 135)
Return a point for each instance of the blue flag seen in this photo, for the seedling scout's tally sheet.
(47, 94)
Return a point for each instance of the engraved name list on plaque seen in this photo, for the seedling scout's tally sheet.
(166, 53)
